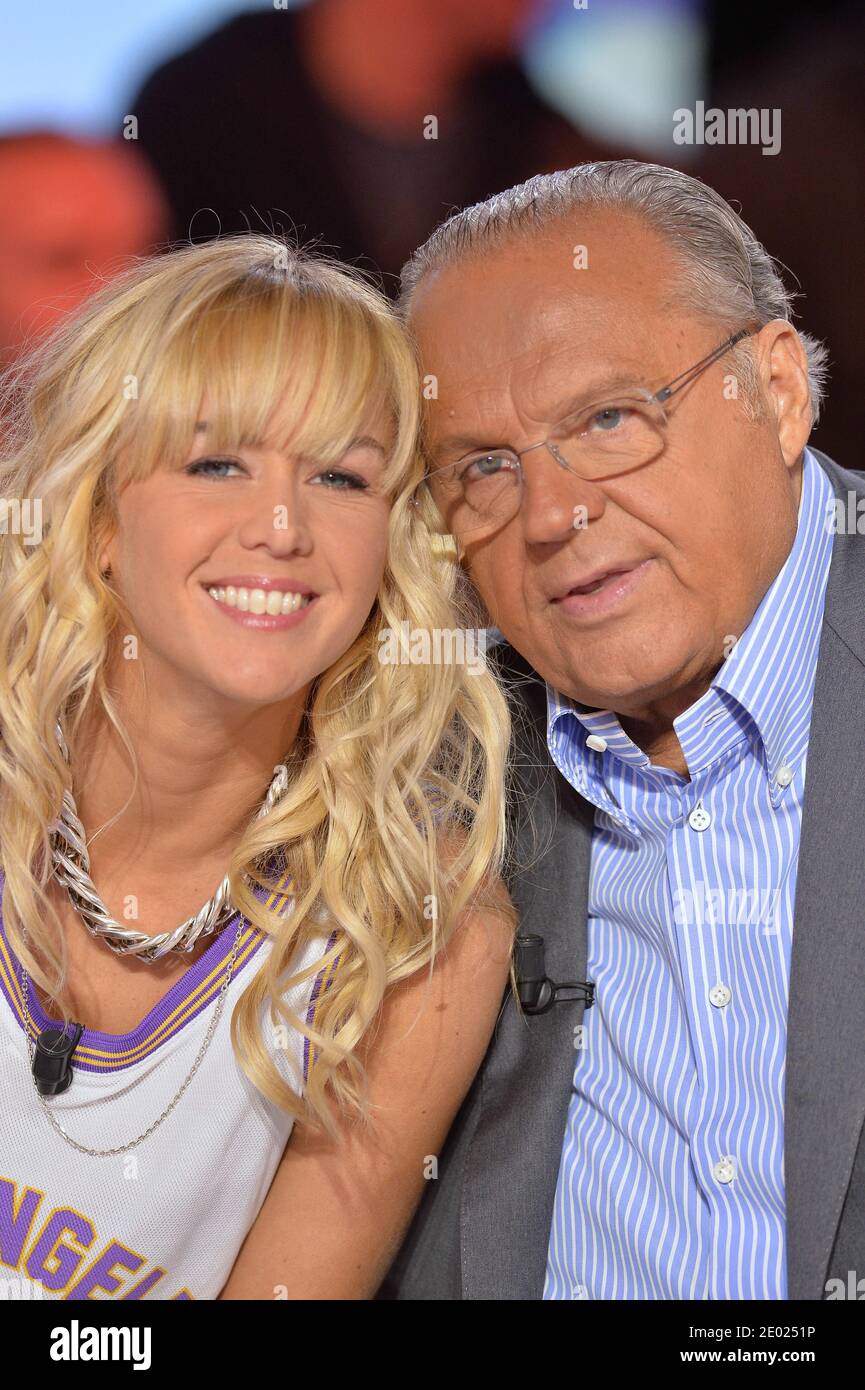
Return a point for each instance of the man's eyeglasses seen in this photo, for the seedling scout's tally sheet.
(483, 491)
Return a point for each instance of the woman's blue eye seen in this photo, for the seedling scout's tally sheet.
(341, 482)
(354, 482)
(203, 467)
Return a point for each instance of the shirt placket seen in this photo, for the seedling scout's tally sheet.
(699, 900)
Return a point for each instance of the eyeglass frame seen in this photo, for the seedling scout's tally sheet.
(659, 397)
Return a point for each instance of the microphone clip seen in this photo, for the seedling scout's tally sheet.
(537, 993)
(52, 1060)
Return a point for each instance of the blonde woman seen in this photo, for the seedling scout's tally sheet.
(254, 939)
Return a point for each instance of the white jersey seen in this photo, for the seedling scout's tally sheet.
(167, 1219)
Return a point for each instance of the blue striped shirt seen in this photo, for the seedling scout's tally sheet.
(671, 1181)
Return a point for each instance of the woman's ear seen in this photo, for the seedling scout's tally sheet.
(104, 559)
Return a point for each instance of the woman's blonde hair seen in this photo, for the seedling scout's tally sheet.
(394, 821)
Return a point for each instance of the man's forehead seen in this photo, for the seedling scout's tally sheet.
(521, 313)
(599, 254)
(481, 383)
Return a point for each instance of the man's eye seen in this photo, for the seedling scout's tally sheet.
(607, 419)
(626, 416)
(487, 465)
(208, 467)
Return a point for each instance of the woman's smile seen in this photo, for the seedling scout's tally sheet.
(267, 609)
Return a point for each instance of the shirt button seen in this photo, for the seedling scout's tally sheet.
(784, 776)
(595, 741)
(724, 1170)
(699, 819)
(720, 995)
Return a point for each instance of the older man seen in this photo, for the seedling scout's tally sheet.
(617, 426)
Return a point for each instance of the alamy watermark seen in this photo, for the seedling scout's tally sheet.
(77, 1343)
(22, 516)
(14, 1289)
(845, 516)
(739, 126)
(853, 1289)
(709, 906)
(437, 646)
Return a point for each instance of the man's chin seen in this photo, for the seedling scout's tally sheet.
(625, 688)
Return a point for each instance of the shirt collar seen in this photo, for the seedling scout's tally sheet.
(765, 681)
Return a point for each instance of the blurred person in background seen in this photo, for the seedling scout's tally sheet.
(362, 122)
(73, 214)
(808, 196)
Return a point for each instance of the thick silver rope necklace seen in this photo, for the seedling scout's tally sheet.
(73, 864)
(72, 871)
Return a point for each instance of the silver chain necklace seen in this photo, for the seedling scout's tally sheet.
(73, 864)
(72, 871)
(133, 1143)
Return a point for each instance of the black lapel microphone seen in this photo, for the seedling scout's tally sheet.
(52, 1060)
(536, 992)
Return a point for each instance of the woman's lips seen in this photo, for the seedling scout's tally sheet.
(600, 602)
(263, 621)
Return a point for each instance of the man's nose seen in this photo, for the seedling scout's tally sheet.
(555, 500)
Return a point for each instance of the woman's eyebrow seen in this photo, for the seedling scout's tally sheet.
(360, 441)
(366, 441)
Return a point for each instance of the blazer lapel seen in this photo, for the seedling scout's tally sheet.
(527, 1080)
(825, 1078)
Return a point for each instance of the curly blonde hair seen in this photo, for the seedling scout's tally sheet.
(394, 820)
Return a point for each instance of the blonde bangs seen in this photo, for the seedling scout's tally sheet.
(298, 370)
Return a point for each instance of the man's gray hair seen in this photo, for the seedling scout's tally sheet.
(727, 276)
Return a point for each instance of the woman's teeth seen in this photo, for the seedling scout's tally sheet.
(271, 601)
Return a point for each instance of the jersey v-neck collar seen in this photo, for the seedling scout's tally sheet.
(104, 1052)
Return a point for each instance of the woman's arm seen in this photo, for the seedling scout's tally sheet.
(336, 1213)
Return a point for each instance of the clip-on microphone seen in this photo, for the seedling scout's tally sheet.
(52, 1060)
(536, 992)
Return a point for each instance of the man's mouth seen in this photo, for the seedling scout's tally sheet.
(599, 592)
(595, 580)
(595, 584)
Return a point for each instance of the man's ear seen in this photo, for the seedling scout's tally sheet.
(783, 367)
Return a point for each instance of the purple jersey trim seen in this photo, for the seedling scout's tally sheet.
(323, 982)
(194, 991)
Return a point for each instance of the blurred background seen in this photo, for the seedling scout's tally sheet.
(357, 125)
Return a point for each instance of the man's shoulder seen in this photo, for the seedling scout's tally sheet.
(840, 477)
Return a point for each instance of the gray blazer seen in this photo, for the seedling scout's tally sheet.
(482, 1228)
